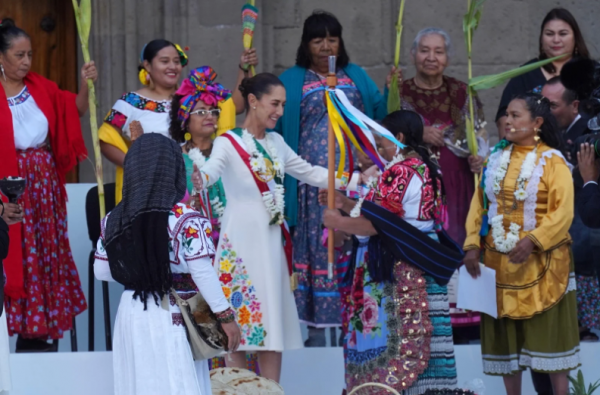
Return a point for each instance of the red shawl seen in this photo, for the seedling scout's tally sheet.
(66, 142)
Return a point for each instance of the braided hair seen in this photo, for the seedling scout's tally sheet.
(410, 124)
(539, 106)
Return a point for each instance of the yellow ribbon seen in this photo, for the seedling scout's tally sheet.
(333, 118)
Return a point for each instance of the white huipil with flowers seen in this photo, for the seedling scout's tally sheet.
(250, 259)
(151, 352)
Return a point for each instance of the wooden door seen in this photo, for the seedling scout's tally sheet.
(53, 31)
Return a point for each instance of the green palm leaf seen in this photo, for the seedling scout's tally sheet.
(83, 17)
(492, 81)
(394, 102)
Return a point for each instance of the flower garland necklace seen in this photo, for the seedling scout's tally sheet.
(506, 242)
(372, 183)
(273, 199)
(198, 158)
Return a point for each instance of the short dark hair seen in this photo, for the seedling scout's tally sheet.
(8, 32)
(564, 15)
(258, 85)
(569, 96)
(318, 25)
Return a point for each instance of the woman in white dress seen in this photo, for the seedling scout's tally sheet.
(254, 251)
(150, 243)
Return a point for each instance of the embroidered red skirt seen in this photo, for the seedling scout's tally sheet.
(54, 294)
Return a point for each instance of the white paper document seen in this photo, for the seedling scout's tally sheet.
(478, 294)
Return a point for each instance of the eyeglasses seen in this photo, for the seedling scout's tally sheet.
(215, 113)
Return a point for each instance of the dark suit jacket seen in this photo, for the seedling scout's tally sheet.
(578, 129)
(588, 204)
(3, 254)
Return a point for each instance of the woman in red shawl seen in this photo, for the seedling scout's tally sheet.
(41, 141)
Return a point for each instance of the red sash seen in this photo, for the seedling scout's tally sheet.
(262, 187)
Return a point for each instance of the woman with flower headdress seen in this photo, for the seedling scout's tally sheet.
(194, 118)
(147, 109)
(519, 221)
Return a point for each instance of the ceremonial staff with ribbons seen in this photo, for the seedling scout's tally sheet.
(331, 84)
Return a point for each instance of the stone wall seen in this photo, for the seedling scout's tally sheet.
(507, 37)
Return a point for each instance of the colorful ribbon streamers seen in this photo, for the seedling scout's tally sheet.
(352, 126)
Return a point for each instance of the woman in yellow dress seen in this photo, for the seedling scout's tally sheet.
(527, 194)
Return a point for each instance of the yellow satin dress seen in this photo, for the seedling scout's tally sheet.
(526, 289)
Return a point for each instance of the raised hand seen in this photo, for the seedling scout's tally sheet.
(136, 130)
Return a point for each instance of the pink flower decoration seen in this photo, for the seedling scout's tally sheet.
(369, 314)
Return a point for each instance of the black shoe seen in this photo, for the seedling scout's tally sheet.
(32, 345)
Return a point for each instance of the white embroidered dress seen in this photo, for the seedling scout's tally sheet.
(250, 259)
(151, 353)
(153, 115)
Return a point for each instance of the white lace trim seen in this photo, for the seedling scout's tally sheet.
(572, 285)
(529, 221)
(500, 367)
(492, 167)
(549, 362)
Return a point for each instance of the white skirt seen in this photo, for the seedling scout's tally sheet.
(153, 356)
(5, 384)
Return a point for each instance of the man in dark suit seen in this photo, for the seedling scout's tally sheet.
(588, 201)
(565, 107)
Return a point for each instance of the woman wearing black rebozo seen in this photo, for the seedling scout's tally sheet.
(151, 243)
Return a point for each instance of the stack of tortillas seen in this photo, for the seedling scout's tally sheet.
(234, 381)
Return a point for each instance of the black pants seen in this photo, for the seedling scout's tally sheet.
(541, 383)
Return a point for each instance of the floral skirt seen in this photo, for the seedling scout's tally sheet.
(588, 302)
(54, 294)
(399, 334)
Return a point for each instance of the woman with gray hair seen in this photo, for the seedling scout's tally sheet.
(443, 103)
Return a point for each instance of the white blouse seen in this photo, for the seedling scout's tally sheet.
(153, 115)
(191, 251)
(29, 122)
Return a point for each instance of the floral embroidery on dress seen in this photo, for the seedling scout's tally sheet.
(241, 294)
(116, 118)
(143, 103)
(192, 234)
(20, 98)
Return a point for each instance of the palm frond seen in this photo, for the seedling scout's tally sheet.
(491, 81)
(394, 101)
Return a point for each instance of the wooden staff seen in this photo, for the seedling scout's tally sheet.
(331, 83)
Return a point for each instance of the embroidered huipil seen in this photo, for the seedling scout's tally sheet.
(545, 217)
(154, 341)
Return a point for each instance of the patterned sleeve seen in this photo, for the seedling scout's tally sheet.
(101, 266)
(192, 235)
(393, 185)
(118, 114)
(198, 251)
